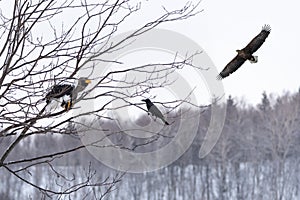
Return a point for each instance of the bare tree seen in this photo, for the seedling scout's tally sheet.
(280, 124)
(41, 45)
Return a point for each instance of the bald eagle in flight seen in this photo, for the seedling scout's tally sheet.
(67, 92)
(246, 53)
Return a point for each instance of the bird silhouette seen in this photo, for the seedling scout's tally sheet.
(246, 53)
(154, 110)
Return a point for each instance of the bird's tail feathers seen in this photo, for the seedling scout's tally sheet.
(165, 121)
(219, 77)
(254, 59)
(43, 100)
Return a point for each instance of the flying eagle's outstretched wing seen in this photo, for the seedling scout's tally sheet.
(256, 42)
(231, 67)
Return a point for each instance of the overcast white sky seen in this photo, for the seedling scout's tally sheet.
(225, 26)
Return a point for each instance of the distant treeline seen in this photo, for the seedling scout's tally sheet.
(256, 156)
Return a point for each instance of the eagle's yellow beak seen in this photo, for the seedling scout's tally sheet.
(88, 81)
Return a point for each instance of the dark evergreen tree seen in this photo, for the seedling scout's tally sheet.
(265, 102)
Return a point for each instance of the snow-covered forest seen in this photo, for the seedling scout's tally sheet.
(256, 157)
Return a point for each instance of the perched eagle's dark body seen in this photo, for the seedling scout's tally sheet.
(246, 53)
(58, 91)
(63, 90)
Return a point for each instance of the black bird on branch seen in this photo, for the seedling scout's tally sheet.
(66, 90)
(154, 110)
(246, 53)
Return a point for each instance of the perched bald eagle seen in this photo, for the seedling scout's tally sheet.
(67, 92)
(246, 53)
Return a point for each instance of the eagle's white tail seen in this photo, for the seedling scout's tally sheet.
(255, 59)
